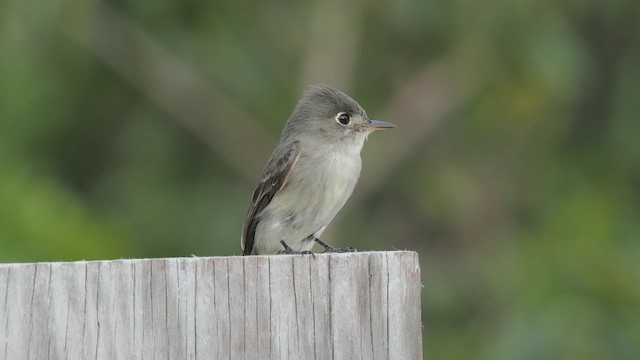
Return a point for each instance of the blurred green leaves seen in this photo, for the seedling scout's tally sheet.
(42, 221)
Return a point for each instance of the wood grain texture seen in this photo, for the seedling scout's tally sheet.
(328, 306)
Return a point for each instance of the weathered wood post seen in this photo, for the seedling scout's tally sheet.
(328, 306)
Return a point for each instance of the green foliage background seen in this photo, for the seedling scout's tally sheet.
(139, 129)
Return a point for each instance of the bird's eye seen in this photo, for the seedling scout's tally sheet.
(343, 118)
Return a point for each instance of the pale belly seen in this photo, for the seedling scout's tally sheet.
(311, 199)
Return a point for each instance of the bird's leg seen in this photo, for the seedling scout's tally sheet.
(289, 251)
(330, 249)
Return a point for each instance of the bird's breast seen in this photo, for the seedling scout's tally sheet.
(318, 186)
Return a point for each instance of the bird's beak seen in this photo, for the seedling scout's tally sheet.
(378, 125)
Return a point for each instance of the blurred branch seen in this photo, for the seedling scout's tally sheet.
(417, 108)
(333, 43)
(176, 88)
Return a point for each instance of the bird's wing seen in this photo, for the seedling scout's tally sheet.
(273, 180)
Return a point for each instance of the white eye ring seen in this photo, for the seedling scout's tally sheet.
(343, 118)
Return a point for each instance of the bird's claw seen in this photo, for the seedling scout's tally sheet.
(330, 249)
(289, 251)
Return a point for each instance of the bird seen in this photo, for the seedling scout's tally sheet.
(310, 174)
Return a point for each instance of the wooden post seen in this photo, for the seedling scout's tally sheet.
(328, 306)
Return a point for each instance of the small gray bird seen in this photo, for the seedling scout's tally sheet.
(310, 174)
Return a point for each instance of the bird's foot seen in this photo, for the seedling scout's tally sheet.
(330, 249)
(289, 251)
